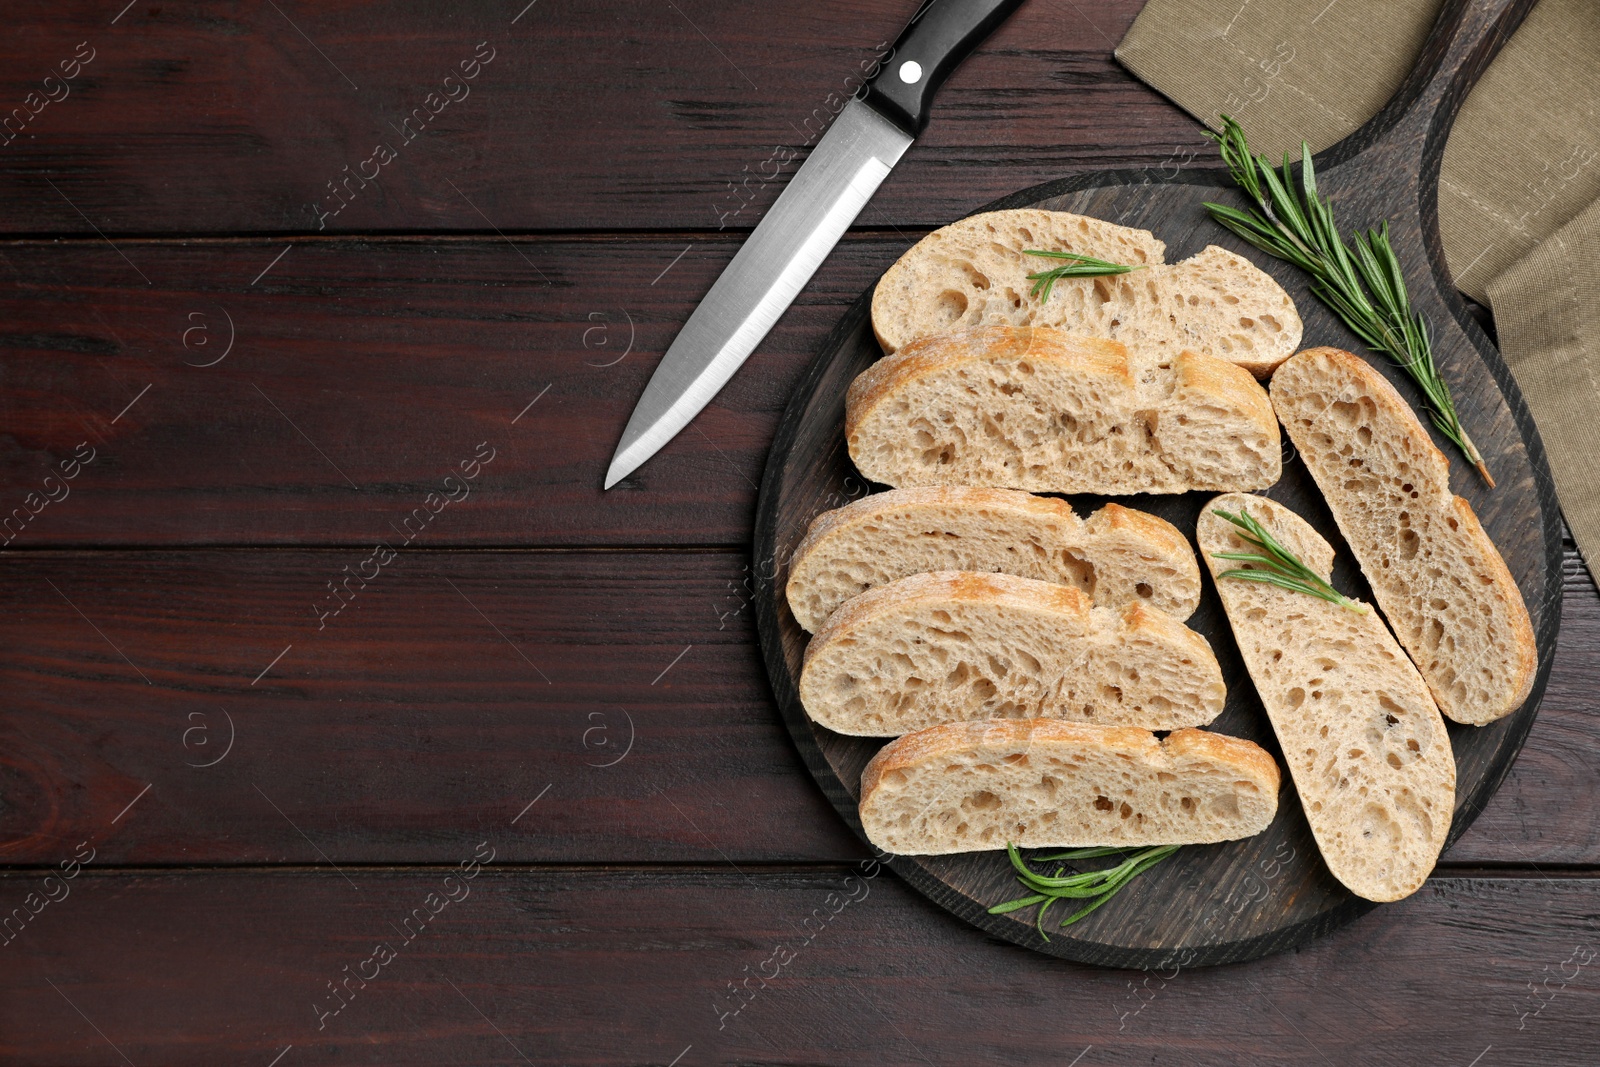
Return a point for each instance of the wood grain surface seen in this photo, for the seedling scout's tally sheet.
(638, 966)
(593, 115)
(362, 371)
(505, 255)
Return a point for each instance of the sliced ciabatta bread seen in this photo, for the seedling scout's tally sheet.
(1363, 739)
(1117, 556)
(975, 273)
(956, 646)
(1435, 573)
(1038, 783)
(1034, 408)
(1232, 310)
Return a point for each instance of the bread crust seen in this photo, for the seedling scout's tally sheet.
(1049, 507)
(1192, 382)
(1241, 759)
(1071, 604)
(960, 646)
(927, 354)
(1142, 524)
(1249, 758)
(1114, 535)
(1392, 599)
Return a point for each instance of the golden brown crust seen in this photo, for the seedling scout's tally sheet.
(1161, 541)
(1506, 587)
(1141, 619)
(928, 354)
(1166, 538)
(940, 496)
(841, 518)
(907, 751)
(1024, 593)
(1246, 755)
(1230, 381)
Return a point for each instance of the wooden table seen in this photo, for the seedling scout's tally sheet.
(526, 745)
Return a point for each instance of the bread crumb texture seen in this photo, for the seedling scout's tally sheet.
(1117, 556)
(1440, 581)
(1044, 783)
(1361, 735)
(959, 646)
(1037, 409)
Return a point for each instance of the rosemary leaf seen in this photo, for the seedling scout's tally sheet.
(1020, 902)
(1360, 280)
(1083, 854)
(1276, 565)
(1097, 886)
(1077, 266)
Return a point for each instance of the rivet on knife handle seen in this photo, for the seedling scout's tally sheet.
(943, 33)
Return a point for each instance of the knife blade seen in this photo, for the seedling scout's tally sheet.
(813, 212)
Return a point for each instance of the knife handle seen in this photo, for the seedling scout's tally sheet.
(939, 37)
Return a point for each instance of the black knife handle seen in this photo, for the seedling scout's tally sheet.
(940, 36)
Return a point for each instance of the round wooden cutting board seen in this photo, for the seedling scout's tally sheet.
(1237, 901)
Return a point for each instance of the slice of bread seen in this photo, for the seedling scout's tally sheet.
(956, 646)
(1117, 556)
(1363, 739)
(975, 273)
(1437, 576)
(1038, 409)
(1043, 783)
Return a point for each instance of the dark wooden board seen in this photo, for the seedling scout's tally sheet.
(454, 686)
(641, 965)
(409, 717)
(385, 362)
(1379, 173)
(601, 114)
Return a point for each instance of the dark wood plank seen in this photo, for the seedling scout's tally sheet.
(363, 372)
(453, 690)
(589, 115)
(642, 966)
(409, 717)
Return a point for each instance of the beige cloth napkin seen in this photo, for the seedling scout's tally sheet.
(1519, 185)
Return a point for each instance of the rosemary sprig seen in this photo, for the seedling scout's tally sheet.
(1078, 266)
(1278, 566)
(1097, 887)
(1360, 281)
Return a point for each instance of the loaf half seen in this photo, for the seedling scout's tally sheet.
(1360, 732)
(975, 273)
(1045, 783)
(1118, 556)
(1038, 409)
(1435, 573)
(955, 646)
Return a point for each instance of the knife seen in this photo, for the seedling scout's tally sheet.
(818, 205)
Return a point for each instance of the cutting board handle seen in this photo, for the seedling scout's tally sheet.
(1407, 138)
